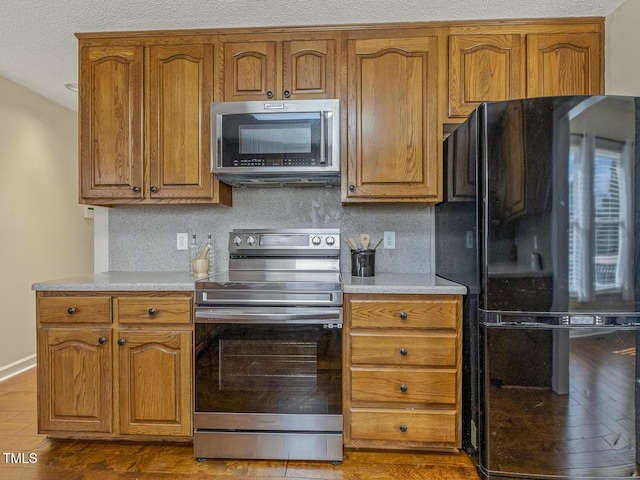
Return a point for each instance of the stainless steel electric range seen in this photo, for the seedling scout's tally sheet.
(268, 349)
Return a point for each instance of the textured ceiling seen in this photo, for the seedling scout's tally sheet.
(39, 51)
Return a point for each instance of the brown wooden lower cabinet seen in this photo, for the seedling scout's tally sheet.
(402, 371)
(115, 365)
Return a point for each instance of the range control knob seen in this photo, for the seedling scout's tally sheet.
(237, 241)
(330, 240)
(251, 240)
(316, 240)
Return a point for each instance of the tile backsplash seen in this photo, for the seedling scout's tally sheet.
(143, 238)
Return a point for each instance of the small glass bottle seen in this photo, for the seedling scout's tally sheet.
(194, 252)
(210, 254)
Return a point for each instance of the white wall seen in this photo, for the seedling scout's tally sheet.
(622, 56)
(42, 229)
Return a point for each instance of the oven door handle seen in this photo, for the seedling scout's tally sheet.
(322, 316)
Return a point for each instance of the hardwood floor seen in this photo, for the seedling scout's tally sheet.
(26, 455)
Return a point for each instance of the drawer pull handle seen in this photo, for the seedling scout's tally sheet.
(71, 310)
(121, 341)
(152, 311)
(403, 428)
(403, 388)
(102, 340)
(403, 315)
(403, 352)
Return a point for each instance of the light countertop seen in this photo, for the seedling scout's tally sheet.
(121, 281)
(416, 283)
(182, 281)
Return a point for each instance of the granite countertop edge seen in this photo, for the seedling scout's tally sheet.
(402, 283)
(120, 281)
(392, 283)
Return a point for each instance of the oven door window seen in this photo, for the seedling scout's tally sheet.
(290, 369)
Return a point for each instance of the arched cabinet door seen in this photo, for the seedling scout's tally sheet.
(180, 93)
(392, 136)
(484, 68)
(74, 379)
(564, 64)
(111, 133)
(155, 382)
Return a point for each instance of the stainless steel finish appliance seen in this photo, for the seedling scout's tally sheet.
(542, 223)
(268, 349)
(290, 142)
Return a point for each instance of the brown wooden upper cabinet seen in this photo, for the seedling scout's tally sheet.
(392, 133)
(494, 63)
(144, 113)
(280, 68)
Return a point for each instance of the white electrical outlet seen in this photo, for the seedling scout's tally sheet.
(389, 240)
(183, 241)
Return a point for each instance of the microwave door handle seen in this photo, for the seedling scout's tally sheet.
(323, 137)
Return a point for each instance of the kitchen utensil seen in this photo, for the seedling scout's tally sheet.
(377, 244)
(205, 250)
(351, 243)
(364, 240)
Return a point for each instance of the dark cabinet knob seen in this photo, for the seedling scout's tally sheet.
(152, 311)
(121, 341)
(352, 188)
(287, 94)
(153, 189)
(403, 315)
(136, 189)
(403, 351)
(102, 340)
(403, 428)
(403, 388)
(269, 94)
(71, 310)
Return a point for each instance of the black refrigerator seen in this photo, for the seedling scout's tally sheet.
(541, 221)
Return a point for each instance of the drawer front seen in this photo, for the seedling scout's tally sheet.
(74, 309)
(437, 350)
(417, 386)
(174, 310)
(440, 313)
(433, 426)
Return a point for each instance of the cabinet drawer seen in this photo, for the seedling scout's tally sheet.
(154, 309)
(441, 313)
(437, 350)
(74, 309)
(410, 386)
(431, 426)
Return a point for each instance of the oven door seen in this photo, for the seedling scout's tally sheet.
(276, 369)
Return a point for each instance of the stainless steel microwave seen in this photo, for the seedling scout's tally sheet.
(291, 142)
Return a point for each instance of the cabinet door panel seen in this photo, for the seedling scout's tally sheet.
(111, 122)
(74, 380)
(484, 68)
(392, 133)
(249, 70)
(155, 382)
(564, 64)
(180, 92)
(309, 68)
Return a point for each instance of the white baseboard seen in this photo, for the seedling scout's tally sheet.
(19, 366)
